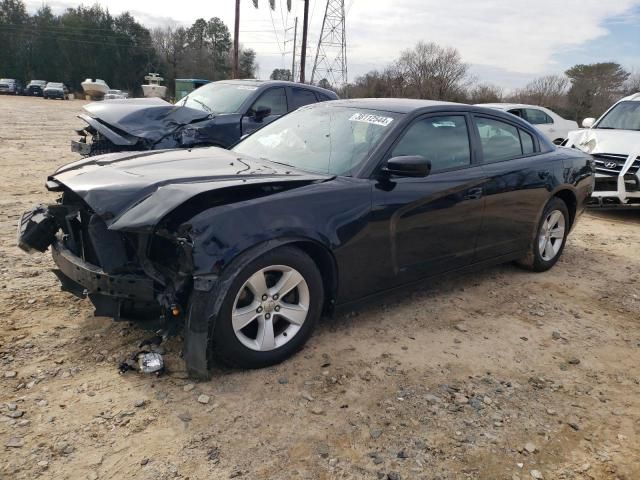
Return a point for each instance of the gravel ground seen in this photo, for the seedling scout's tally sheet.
(500, 374)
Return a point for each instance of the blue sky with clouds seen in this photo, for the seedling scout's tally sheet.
(507, 42)
(621, 44)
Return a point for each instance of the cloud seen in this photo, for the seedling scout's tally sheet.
(516, 35)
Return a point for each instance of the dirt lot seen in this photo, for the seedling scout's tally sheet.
(501, 374)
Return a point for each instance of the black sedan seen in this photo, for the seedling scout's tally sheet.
(217, 114)
(245, 249)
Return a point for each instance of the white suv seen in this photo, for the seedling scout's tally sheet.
(614, 142)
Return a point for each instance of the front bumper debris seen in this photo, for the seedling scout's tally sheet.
(96, 281)
(36, 230)
(83, 148)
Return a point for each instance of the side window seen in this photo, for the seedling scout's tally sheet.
(501, 141)
(302, 97)
(528, 147)
(538, 117)
(442, 140)
(517, 112)
(275, 99)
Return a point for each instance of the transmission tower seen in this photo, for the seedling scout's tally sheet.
(331, 56)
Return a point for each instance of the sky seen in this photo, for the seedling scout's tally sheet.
(505, 42)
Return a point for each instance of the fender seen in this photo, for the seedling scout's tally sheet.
(210, 290)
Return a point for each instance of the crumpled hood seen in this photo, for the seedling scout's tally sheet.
(134, 190)
(594, 140)
(149, 118)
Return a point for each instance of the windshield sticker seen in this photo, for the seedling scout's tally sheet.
(373, 119)
(244, 87)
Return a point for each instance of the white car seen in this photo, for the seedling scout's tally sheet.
(552, 125)
(115, 95)
(614, 143)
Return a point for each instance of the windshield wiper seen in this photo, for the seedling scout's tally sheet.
(203, 104)
(273, 161)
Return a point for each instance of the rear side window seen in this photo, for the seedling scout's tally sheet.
(502, 141)
(528, 147)
(442, 140)
(537, 117)
(275, 99)
(302, 97)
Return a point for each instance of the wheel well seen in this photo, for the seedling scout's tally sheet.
(569, 198)
(325, 262)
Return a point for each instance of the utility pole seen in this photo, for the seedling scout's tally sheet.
(236, 43)
(293, 60)
(303, 53)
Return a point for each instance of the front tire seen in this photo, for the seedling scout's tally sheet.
(550, 237)
(269, 310)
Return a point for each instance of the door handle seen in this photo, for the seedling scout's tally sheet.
(473, 194)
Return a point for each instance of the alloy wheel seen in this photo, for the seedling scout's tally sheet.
(551, 235)
(270, 308)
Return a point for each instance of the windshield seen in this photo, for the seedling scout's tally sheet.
(37, 82)
(320, 138)
(624, 116)
(218, 97)
(7, 80)
(54, 85)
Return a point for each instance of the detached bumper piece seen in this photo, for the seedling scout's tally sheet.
(81, 147)
(36, 230)
(96, 281)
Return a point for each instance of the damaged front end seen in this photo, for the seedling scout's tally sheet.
(124, 233)
(117, 271)
(138, 125)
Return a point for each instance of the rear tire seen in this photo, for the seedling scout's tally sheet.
(549, 239)
(263, 319)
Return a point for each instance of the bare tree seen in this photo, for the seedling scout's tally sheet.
(549, 91)
(485, 93)
(632, 85)
(432, 71)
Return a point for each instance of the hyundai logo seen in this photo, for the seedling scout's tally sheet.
(611, 165)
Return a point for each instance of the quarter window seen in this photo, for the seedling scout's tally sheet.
(528, 147)
(275, 99)
(538, 117)
(442, 140)
(302, 97)
(502, 141)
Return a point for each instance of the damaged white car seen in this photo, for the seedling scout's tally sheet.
(614, 142)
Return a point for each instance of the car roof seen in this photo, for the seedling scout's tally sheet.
(396, 105)
(632, 98)
(507, 106)
(278, 83)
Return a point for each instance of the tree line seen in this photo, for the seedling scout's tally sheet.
(88, 42)
(430, 71)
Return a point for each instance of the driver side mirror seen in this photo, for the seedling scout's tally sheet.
(260, 113)
(408, 166)
(588, 122)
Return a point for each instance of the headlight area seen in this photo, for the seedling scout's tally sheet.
(126, 275)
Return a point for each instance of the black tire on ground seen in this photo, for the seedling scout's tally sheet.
(533, 260)
(225, 345)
